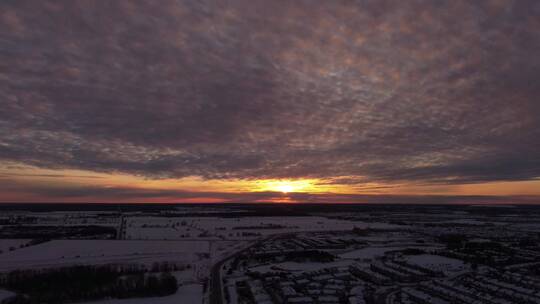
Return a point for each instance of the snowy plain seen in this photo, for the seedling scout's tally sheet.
(75, 252)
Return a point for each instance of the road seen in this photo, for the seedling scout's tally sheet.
(121, 233)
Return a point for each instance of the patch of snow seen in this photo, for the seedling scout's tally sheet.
(437, 263)
(5, 294)
(7, 244)
(368, 253)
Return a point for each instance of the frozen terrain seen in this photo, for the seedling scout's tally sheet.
(225, 257)
(80, 252)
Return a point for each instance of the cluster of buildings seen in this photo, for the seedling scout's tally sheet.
(392, 272)
(489, 288)
(328, 286)
(393, 278)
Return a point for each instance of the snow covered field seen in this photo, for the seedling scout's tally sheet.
(71, 252)
(368, 253)
(70, 218)
(163, 228)
(7, 245)
(212, 228)
(5, 294)
(438, 263)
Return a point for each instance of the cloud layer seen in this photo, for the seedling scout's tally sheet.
(378, 91)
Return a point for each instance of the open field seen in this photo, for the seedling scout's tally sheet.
(12, 244)
(81, 252)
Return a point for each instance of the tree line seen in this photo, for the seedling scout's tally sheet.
(83, 283)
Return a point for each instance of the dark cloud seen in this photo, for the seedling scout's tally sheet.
(9, 175)
(429, 91)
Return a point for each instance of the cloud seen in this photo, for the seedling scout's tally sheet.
(432, 92)
(8, 175)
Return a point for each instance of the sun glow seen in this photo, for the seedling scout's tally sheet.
(285, 186)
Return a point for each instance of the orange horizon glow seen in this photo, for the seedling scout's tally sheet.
(28, 177)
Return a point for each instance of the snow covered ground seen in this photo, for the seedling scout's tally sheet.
(368, 253)
(466, 222)
(212, 228)
(163, 228)
(5, 294)
(438, 263)
(7, 244)
(70, 218)
(71, 252)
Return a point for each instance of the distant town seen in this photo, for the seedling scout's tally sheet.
(269, 253)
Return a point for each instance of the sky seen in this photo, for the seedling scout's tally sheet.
(270, 101)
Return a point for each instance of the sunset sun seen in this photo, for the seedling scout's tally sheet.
(286, 185)
(285, 188)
